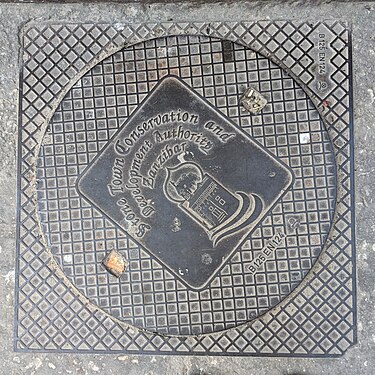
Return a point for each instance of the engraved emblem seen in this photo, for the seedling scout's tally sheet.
(220, 212)
(184, 182)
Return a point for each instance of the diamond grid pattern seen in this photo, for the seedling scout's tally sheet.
(236, 295)
(303, 325)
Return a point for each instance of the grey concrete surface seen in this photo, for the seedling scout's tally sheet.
(359, 359)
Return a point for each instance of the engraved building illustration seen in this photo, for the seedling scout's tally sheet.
(218, 210)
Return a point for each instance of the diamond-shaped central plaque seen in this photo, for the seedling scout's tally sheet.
(184, 182)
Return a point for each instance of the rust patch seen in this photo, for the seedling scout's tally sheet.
(115, 263)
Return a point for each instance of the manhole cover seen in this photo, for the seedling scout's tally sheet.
(187, 184)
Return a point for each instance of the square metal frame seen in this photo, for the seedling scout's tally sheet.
(317, 319)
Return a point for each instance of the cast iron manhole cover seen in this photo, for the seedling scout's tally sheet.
(186, 184)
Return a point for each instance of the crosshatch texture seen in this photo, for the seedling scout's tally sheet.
(54, 312)
(79, 133)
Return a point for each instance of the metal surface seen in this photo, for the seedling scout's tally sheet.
(285, 177)
(152, 180)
